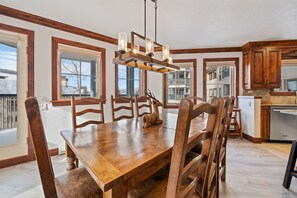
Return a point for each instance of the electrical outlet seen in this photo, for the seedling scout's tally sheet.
(44, 107)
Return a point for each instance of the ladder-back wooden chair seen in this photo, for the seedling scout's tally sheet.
(143, 102)
(197, 177)
(117, 109)
(73, 184)
(86, 101)
(222, 128)
(223, 151)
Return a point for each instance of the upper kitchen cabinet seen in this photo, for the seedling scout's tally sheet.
(262, 63)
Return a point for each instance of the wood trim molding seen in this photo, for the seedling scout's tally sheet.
(252, 139)
(236, 59)
(194, 63)
(14, 161)
(24, 158)
(142, 81)
(55, 42)
(30, 91)
(277, 43)
(25, 16)
(205, 50)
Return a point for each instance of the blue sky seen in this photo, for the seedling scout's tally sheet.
(8, 57)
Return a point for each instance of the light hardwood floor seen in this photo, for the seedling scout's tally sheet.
(253, 170)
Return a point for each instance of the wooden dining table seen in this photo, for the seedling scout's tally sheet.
(119, 155)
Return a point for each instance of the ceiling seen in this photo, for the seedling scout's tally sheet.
(181, 23)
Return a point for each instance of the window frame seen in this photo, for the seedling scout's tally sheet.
(235, 59)
(165, 91)
(142, 80)
(56, 101)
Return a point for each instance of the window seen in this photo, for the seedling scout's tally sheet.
(78, 70)
(226, 90)
(214, 92)
(180, 84)
(226, 84)
(128, 81)
(225, 72)
(210, 93)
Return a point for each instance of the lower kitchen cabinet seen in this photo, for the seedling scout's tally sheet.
(265, 123)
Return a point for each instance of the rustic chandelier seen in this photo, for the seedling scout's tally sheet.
(148, 60)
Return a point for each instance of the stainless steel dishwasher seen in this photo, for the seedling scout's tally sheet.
(282, 126)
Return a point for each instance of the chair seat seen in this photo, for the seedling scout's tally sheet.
(154, 187)
(77, 183)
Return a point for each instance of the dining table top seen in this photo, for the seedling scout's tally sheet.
(118, 151)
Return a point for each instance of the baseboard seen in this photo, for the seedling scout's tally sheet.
(14, 161)
(252, 139)
(54, 151)
(22, 159)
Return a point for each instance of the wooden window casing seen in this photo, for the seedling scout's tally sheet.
(165, 85)
(55, 43)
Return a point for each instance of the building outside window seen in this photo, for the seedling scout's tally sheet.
(223, 85)
(79, 75)
(179, 85)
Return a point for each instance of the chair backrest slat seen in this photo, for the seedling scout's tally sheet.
(86, 101)
(143, 102)
(40, 146)
(118, 108)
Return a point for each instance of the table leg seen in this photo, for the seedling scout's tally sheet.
(71, 158)
(118, 191)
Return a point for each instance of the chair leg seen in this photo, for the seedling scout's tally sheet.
(240, 125)
(223, 168)
(290, 165)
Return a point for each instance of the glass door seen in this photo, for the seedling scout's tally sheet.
(13, 92)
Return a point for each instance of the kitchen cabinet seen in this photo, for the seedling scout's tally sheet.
(265, 123)
(261, 68)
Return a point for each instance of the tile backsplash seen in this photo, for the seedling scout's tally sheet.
(268, 99)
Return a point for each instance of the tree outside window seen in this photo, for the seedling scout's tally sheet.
(78, 78)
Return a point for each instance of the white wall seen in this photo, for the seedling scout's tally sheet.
(57, 119)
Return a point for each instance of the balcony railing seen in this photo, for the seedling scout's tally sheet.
(8, 111)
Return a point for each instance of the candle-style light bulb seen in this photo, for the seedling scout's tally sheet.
(170, 58)
(122, 42)
(165, 52)
(149, 47)
(135, 49)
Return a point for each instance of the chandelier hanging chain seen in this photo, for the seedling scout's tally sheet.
(144, 18)
(156, 16)
(146, 61)
(156, 8)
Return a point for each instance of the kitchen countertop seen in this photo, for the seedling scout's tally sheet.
(280, 105)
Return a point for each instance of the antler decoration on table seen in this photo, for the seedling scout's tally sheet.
(152, 118)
